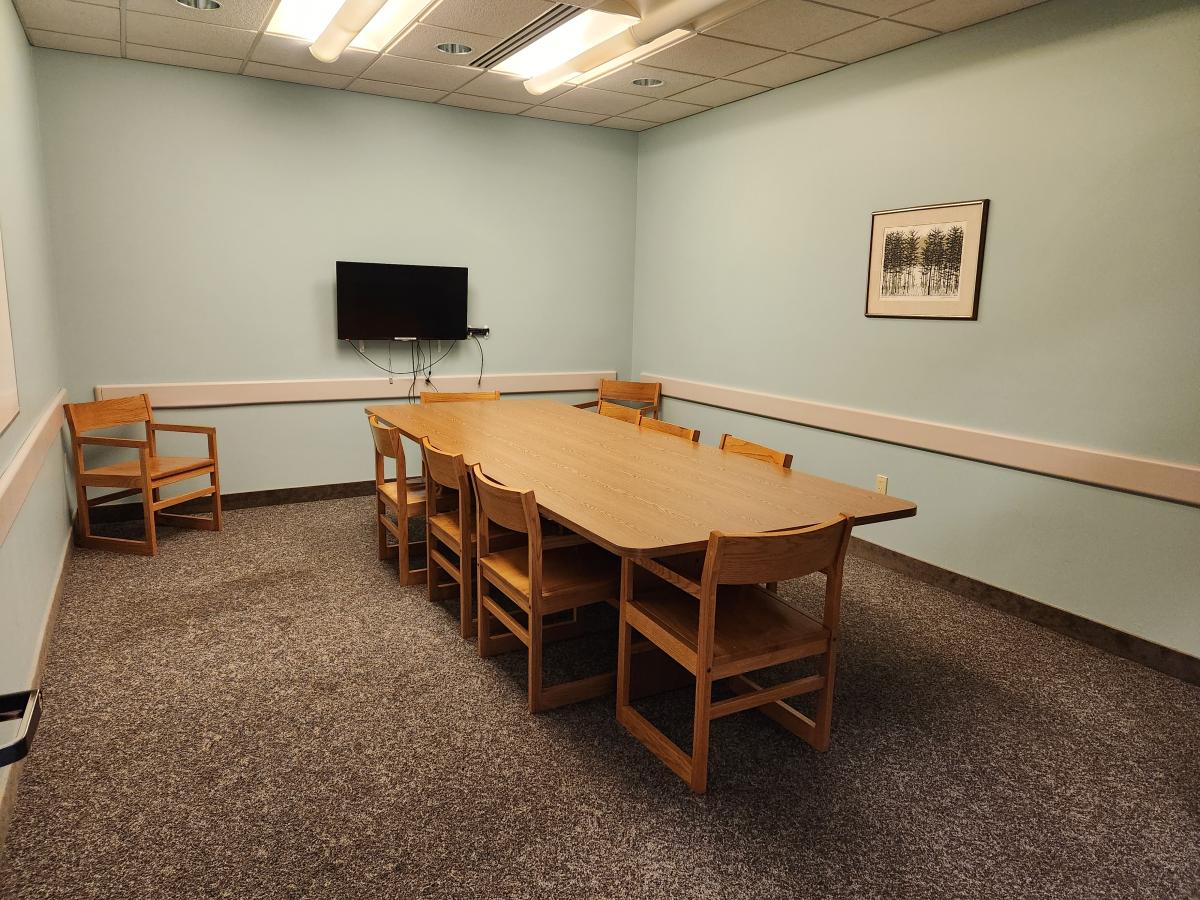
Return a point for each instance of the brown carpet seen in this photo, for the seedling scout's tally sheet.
(264, 712)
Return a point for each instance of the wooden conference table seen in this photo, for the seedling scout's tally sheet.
(635, 492)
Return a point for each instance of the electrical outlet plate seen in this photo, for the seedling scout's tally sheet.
(881, 484)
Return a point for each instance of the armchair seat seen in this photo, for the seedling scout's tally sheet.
(129, 471)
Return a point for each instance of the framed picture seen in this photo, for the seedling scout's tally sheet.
(925, 261)
(9, 406)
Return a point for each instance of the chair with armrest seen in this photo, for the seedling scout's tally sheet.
(397, 502)
(646, 394)
(146, 475)
(545, 575)
(728, 625)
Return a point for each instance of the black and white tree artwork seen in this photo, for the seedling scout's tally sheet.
(922, 261)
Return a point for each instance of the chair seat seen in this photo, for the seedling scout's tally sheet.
(160, 467)
(416, 496)
(753, 629)
(571, 576)
(446, 526)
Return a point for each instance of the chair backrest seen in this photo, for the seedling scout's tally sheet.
(617, 411)
(447, 486)
(691, 434)
(387, 446)
(512, 509)
(446, 397)
(648, 393)
(776, 555)
(445, 469)
(84, 417)
(755, 451)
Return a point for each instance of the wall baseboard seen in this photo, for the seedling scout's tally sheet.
(1162, 479)
(168, 395)
(1103, 637)
(10, 776)
(131, 512)
(1110, 640)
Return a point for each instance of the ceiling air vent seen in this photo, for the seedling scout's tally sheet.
(559, 13)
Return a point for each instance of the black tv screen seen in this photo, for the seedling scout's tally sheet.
(383, 302)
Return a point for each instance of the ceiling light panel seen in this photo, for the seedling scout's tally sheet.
(565, 42)
(306, 19)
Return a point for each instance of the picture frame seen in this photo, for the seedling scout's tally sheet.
(9, 401)
(925, 261)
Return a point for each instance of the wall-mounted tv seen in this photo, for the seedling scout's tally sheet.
(384, 302)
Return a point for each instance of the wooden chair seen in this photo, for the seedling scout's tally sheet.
(449, 526)
(691, 434)
(648, 394)
(617, 411)
(444, 397)
(728, 625)
(548, 575)
(757, 451)
(396, 502)
(146, 475)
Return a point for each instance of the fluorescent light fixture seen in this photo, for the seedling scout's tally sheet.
(565, 42)
(624, 59)
(308, 20)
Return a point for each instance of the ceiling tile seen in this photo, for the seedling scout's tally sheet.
(277, 50)
(498, 18)
(718, 93)
(948, 15)
(181, 34)
(183, 58)
(399, 91)
(69, 17)
(563, 115)
(876, 7)
(784, 70)
(586, 99)
(419, 73)
(421, 42)
(672, 82)
(250, 14)
(703, 55)
(666, 111)
(487, 104)
(506, 87)
(74, 42)
(787, 24)
(299, 76)
(626, 124)
(870, 40)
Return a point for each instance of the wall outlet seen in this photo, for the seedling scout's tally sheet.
(881, 484)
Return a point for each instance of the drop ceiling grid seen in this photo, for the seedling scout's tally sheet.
(726, 60)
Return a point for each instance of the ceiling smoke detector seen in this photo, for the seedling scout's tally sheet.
(455, 49)
(648, 82)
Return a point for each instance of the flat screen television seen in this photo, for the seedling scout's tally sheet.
(384, 302)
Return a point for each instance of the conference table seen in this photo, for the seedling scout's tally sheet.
(637, 493)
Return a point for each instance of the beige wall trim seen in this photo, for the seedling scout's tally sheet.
(18, 477)
(1176, 482)
(308, 390)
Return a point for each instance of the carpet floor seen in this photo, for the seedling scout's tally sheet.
(264, 712)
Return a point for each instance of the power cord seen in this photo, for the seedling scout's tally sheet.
(475, 338)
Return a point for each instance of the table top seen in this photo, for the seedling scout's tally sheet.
(633, 491)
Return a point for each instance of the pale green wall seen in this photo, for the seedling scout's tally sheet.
(31, 554)
(197, 218)
(1081, 122)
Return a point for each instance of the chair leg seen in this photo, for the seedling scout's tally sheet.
(535, 661)
(215, 480)
(625, 637)
(483, 622)
(823, 719)
(148, 517)
(83, 520)
(700, 726)
(466, 592)
(381, 532)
